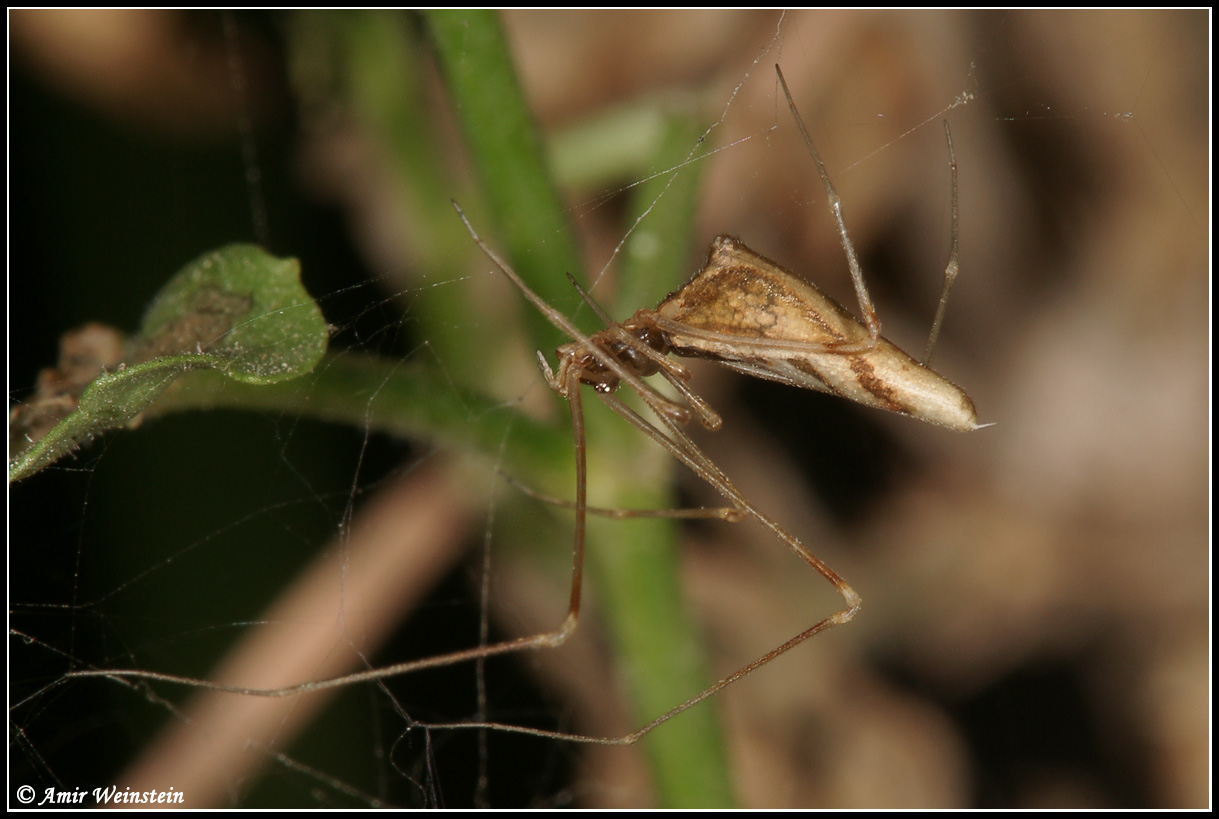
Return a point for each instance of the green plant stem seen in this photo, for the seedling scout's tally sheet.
(385, 395)
(636, 564)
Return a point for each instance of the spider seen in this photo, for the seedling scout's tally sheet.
(751, 315)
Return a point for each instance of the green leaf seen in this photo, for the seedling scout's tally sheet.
(243, 310)
(237, 310)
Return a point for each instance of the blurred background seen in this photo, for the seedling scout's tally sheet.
(1036, 629)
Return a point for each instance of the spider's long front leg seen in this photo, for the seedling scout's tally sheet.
(682, 447)
(954, 255)
(571, 391)
(679, 444)
(866, 309)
